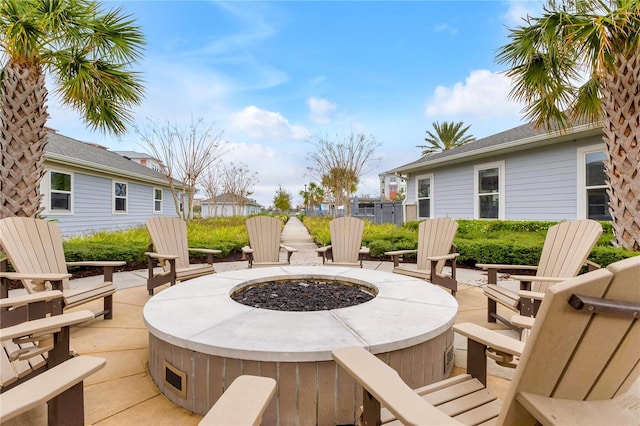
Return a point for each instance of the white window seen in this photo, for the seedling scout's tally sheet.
(424, 196)
(489, 191)
(593, 200)
(157, 200)
(60, 192)
(120, 194)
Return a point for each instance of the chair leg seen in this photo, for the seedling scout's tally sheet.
(67, 408)
(108, 307)
(491, 310)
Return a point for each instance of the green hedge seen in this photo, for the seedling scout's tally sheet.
(477, 241)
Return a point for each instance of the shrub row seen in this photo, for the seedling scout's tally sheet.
(477, 241)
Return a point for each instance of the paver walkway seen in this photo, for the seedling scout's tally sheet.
(123, 393)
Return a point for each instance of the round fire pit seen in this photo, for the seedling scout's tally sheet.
(200, 340)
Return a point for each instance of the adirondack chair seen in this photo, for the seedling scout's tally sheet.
(34, 248)
(28, 381)
(264, 242)
(577, 367)
(564, 253)
(243, 403)
(346, 241)
(169, 240)
(435, 247)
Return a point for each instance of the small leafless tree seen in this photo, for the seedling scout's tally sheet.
(212, 184)
(184, 152)
(237, 184)
(340, 162)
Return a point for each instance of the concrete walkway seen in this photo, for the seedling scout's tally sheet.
(123, 393)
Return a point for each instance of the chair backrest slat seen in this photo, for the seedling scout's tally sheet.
(33, 246)
(579, 355)
(264, 238)
(169, 236)
(346, 239)
(566, 248)
(435, 238)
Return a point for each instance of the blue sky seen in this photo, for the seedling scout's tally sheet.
(272, 75)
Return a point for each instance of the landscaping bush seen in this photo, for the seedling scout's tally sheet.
(477, 241)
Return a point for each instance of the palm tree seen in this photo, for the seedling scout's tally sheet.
(549, 55)
(447, 135)
(87, 53)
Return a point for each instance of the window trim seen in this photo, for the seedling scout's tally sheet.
(155, 199)
(48, 191)
(581, 180)
(429, 176)
(113, 197)
(500, 165)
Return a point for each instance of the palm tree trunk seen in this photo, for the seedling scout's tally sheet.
(622, 135)
(24, 115)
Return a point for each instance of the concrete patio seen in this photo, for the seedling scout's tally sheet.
(123, 392)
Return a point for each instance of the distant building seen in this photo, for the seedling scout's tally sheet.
(392, 186)
(225, 205)
(142, 158)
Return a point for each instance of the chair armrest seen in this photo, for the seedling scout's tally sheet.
(497, 266)
(526, 294)
(28, 276)
(103, 263)
(363, 250)
(247, 250)
(243, 403)
(208, 251)
(43, 388)
(386, 386)
(161, 256)
(592, 266)
(556, 411)
(25, 299)
(529, 278)
(395, 255)
(490, 338)
(399, 252)
(324, 249)
(444, 257)
(45, 325)
(522, 321)
(288, 248)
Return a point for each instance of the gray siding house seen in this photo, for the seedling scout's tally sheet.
(88, 189)
(520, 174)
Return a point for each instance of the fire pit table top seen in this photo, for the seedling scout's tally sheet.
(200, 315)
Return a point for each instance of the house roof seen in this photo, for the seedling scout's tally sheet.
(227, 198)
(65, 150)
(517, 138)
(134, 154)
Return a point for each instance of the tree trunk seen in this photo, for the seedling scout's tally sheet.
(622, 136)
(24, 115)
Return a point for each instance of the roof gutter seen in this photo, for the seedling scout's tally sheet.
(516, 145)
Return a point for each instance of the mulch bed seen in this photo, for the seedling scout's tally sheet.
(302, 296)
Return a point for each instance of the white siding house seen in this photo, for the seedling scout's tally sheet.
(88, 189)
(520, 174)
(226, 205)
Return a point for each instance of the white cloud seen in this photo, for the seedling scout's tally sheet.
(321, 110)
(519, 10)
(274, 167)
(446, 27)
(483, 95)
(262, 124)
